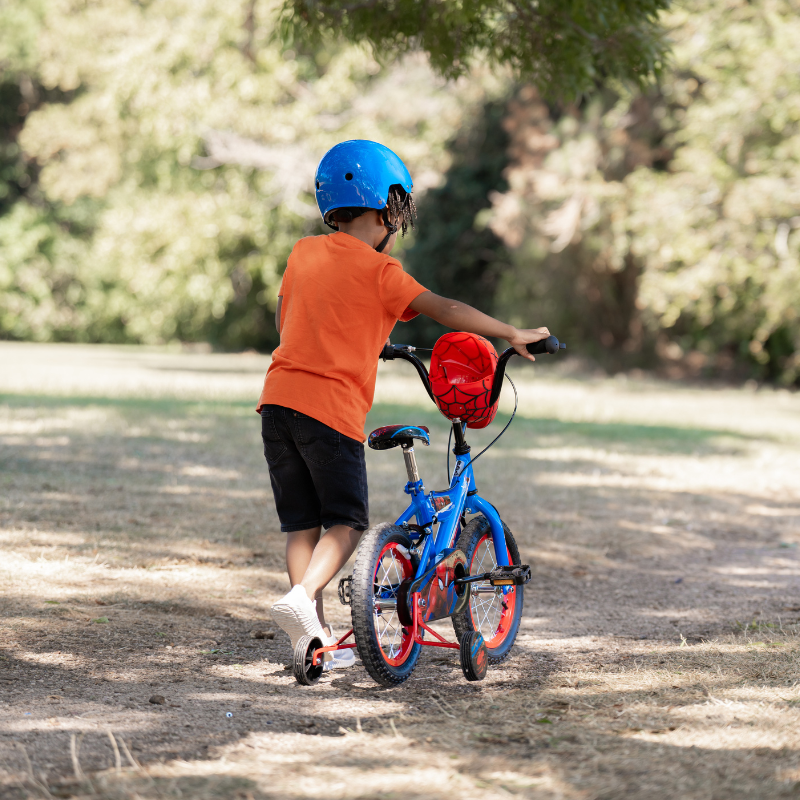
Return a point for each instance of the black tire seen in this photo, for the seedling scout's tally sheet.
(474, 656)
(498, 626)
(304, 671)
(376, 633)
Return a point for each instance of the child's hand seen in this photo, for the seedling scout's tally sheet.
(523, 337)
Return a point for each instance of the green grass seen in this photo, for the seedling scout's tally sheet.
(527, 432)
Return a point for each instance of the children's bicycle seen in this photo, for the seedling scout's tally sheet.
(432, 563)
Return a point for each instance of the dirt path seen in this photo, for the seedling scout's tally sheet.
(139, 555)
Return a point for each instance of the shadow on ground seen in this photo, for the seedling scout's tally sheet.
(154, 516)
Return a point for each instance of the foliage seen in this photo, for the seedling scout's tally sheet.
(564, 49)
(571, 268)
(452, 255)
(14, 177)
(156, 163)
(669, 220)
(40, 246)
(17, 95)
(175, 155)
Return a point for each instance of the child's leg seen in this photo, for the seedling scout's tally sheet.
(318, 476)
(329, 556)
(299, 550)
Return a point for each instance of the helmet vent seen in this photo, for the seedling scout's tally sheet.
(317, 184)
(349, 176)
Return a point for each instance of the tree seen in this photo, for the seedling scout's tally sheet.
(172, 153)
(669, 219)
(564, 49)
(454, 253)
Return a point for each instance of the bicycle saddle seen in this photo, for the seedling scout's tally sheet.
(398, 435)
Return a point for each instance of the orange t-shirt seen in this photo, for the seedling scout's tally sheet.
(341, 299)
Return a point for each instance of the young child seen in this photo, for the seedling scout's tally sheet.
(340, 297)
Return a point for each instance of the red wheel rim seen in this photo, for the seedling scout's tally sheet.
(393, 566)
(492, 615)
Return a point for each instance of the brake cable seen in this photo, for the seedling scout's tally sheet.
(513, 414)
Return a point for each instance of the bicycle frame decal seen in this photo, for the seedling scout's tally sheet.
(423, 509)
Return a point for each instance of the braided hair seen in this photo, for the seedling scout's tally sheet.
(399, 203)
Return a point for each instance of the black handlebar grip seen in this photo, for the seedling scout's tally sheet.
(387, 354)
(550, 345)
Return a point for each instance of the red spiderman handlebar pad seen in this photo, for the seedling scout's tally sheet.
(550, 346)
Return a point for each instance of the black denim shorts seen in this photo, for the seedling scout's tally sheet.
(318, 475)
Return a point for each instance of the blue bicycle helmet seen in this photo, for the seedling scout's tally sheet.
(359, 174)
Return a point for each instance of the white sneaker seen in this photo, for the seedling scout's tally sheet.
(297, 615)
(339, 659)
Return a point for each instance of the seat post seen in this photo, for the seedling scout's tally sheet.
(411, 463)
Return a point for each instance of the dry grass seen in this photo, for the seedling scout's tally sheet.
(659, 651)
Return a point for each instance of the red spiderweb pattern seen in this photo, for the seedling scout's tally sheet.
(462, 371)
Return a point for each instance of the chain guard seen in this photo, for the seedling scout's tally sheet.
(439, 595)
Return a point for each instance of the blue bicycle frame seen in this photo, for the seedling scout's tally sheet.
(438, 518)
(446, 508)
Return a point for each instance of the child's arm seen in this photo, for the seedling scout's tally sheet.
(461, 317)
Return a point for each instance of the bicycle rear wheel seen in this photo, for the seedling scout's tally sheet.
(496, 616)
(386, 646)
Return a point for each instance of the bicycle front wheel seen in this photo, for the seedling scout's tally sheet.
(386, 646)
(496, 616)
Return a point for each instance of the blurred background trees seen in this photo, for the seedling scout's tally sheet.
(565, 49)
(156, 165)
(659, 225)
(158, 162)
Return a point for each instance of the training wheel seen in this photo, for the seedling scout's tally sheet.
(305, 671)
(474, 656)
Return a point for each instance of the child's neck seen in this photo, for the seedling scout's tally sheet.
(369, 228)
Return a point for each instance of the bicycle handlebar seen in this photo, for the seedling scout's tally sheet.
(404, 351)
(548, 346)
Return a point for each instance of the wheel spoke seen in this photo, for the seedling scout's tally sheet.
(487, 610)
(389, 574)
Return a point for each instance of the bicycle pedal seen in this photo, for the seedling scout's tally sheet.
(510, 576)
(345, 590)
